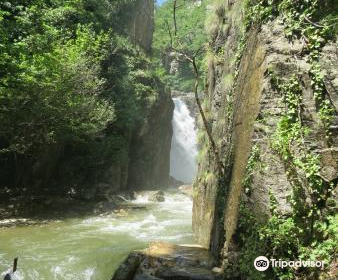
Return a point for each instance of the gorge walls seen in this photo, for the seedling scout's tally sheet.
(149, 156)
(145, 165)
(253, 73)
(141, 24)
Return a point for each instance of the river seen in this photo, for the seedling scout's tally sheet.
(92, 247)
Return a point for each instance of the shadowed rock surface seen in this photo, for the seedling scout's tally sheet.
(167, 261)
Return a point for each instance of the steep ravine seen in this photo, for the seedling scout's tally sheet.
(271, 102)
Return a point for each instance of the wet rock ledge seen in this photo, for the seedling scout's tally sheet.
(168, 262)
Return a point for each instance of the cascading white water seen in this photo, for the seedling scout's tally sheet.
(183, 151)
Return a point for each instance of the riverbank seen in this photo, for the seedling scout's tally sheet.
(25, 210)
(43, 208)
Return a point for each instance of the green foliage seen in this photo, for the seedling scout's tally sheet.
(314, 23)
(326, 111)
(289, 128)
(253, 161)
(69, 78)
(48, 97)
(327, 248)
(282, 238)
(288, 141)
(190, 37)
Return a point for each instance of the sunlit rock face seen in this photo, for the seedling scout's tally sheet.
(249, 119)
(184, 145)
(167, 261)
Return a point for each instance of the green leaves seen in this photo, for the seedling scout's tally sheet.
(190, 37)
(56, 95)
(70, 79)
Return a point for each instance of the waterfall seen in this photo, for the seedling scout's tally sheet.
(183, 151)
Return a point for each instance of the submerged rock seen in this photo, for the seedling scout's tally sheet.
(167, 261)
(106, 206)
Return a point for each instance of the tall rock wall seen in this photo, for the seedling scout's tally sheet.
(245, 110)
(141, 23)
(209, 200)
(149, 156)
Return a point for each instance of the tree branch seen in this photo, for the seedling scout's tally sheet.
(205, 123)
(174, 16)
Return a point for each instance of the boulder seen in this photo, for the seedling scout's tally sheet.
(106, 206)
(157, 196)
(127, 269)
(188, 273)
(167, 261)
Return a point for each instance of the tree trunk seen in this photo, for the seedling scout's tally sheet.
(204, 120)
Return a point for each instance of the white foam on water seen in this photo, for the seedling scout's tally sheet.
(57, 271)
(129, 227)
(66, 254)
(141, 198)
(88, 273)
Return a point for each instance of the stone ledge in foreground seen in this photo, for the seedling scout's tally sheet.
(168, 262)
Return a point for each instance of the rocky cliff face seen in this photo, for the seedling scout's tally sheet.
(149, 154)
(245, 112)
(146, 166)
(141, 23)
(208, 207)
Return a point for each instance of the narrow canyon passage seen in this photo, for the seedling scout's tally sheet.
(91, 247)
(168, 140)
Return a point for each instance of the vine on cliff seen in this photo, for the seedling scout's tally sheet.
(310, 231)
(314, 23)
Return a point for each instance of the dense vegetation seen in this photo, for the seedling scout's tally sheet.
(72, 88)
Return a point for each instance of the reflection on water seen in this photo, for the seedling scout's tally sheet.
(92, 247)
